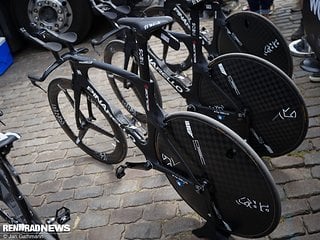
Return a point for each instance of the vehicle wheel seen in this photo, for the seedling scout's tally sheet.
(58, 15)
(126, 92)
(99, 136)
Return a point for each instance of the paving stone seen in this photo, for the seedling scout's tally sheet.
(313, 132)
(27, 188)
(316, 143)
(124, 186)
(288, 228)
(137, 198)
(181, 224)
(76, 206)
(287, 162)
(165, 194)
(308, 237)
(281, 192)
(281, 176)
(312, 222)
(315, 92)
(47, 187)
(38, 177)
(105, 202)
(69, 172)
(305, 146)
(125, 215)
(294, 207)
(51, 155)
(36, 201)
(35, 142)
(315, 121)
(145, 230)
(76, 235)
(302, 188)
(184, 208)
(312, 158)
(35, 167)
(315, 171)
(72, 152)
(155, 182)
(29, 159)
(107, 232)
(163, 211)
(97, 168)
(314, 203)
(49, 210)
(105, 178)
(20, 152)
(88, 192)
(52, 146)
(60, 164)
(77, 181)
(94, 219)
(60, 196)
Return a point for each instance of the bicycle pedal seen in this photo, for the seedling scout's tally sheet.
(63, 215)
(120, 171)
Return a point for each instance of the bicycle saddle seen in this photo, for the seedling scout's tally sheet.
(111, 11)
(146, 25)
(7, 139)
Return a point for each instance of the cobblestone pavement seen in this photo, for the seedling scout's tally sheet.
(142, 205)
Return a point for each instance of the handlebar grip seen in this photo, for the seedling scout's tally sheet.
(51, 46)
(64, 38)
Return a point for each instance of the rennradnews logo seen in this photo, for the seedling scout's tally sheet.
(32, 228)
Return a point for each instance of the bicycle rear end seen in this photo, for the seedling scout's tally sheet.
(14, 206)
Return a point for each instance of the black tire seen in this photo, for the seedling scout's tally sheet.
(77, 15)
(277, 114)
(259, 37)
(14, 211)
(128, 95)
(108, 147)
(231, 169)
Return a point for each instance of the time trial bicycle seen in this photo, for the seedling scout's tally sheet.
(245, 32)
(213, 169)
(247, 93)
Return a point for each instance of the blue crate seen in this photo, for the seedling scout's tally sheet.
(5, 56)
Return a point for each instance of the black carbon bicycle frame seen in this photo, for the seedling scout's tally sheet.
(156, 118)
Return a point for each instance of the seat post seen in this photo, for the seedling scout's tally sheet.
(143, 59)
